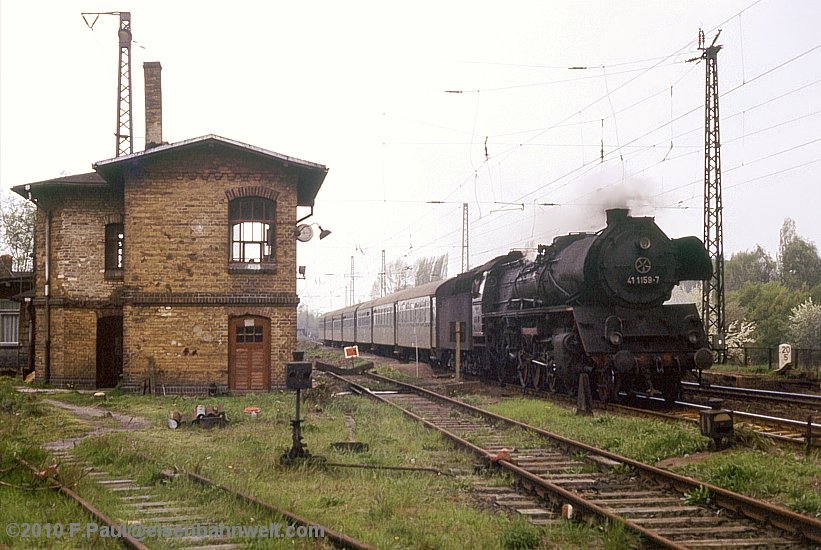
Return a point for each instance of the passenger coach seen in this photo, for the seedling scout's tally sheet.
(398, 324)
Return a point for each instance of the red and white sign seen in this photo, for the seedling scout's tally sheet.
(351, 352)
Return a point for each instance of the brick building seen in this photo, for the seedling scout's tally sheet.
(175, 265)
(15, 318)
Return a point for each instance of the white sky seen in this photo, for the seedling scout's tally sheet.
(360, 87)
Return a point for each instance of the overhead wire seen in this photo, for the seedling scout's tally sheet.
(630, 143)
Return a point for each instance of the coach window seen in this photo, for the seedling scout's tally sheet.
(252, 231)
(114, 243)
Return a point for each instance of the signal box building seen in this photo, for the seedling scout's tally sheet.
(174, 266)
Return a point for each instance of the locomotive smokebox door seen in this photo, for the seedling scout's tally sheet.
(298, 375)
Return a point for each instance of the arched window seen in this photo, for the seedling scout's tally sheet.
(252, 229)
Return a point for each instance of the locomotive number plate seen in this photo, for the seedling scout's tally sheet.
(643, 280)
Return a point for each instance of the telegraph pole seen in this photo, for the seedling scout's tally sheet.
(712, 297)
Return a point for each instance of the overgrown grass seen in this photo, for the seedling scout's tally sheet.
(645, 440)
(761, 471)
(792, 480)
(24, 424)
(385, 508)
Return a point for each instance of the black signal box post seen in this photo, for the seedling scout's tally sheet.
(298, 377)
(717, 423)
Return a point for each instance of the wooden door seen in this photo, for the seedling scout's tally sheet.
(249, 367)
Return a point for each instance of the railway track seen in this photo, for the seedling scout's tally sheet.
(596, 484)
(171, 511)
(806, 433)
(785, 430)
(147, 517)
(787, 398)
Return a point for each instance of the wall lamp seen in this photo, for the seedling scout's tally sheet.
(304, 233)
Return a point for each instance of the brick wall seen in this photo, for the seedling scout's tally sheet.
(178, 290)
(176, 225)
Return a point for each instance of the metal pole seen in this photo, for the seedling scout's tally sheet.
(465, 248)
(458, 351)
(416, 347)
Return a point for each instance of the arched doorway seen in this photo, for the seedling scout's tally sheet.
(249, 354)
(109, 351)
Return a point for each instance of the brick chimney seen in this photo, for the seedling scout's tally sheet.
(153, 103)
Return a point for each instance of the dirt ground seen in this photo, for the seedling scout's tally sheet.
(94, 417)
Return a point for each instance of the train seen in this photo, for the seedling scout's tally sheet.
(591, 303)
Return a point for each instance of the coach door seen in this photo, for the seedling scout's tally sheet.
(249, 367)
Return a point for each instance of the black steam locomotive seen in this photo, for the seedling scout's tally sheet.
(588, 303)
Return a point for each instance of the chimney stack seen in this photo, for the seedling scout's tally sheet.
(153, 104)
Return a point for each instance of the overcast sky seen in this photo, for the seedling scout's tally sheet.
(365, 88)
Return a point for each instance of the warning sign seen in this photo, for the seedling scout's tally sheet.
(351, 352)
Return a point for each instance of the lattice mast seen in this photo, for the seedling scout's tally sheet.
(465, 248)
(712, 297)
(124, 129)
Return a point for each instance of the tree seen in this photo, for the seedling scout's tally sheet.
(769, 306)
(752, 266)
(397, 277)
(739, 334)
(787, 235)
(805, 325)
(17, 230)
(800, 264)
(433, 268)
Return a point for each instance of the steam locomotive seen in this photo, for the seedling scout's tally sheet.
(588, 303)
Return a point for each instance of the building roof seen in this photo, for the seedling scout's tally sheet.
(310, 174)
(89, 179)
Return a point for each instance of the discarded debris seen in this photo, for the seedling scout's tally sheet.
(205, 416)
(352, 445)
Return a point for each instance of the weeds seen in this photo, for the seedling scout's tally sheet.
(699, 495)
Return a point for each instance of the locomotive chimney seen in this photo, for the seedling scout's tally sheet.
(153, 103)
(616, 215)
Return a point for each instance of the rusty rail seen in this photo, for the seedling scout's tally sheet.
(762, 512)
(126, 538)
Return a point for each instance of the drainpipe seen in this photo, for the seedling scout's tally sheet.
(47, 320)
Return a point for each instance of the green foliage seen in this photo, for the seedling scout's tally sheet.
(520, 534)
(805, 325)
(769, 306)
(699, 495)
(800, 264)
(754, 266)
(774, 476)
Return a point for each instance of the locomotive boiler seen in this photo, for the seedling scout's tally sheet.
(594, 303)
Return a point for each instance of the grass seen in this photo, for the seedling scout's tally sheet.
(387, 509)
(25, 423)
(791, 480)
(751, 468)
(644, 440)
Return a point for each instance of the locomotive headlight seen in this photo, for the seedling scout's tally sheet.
(615, 338)
(644, 243)
(692, 337)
